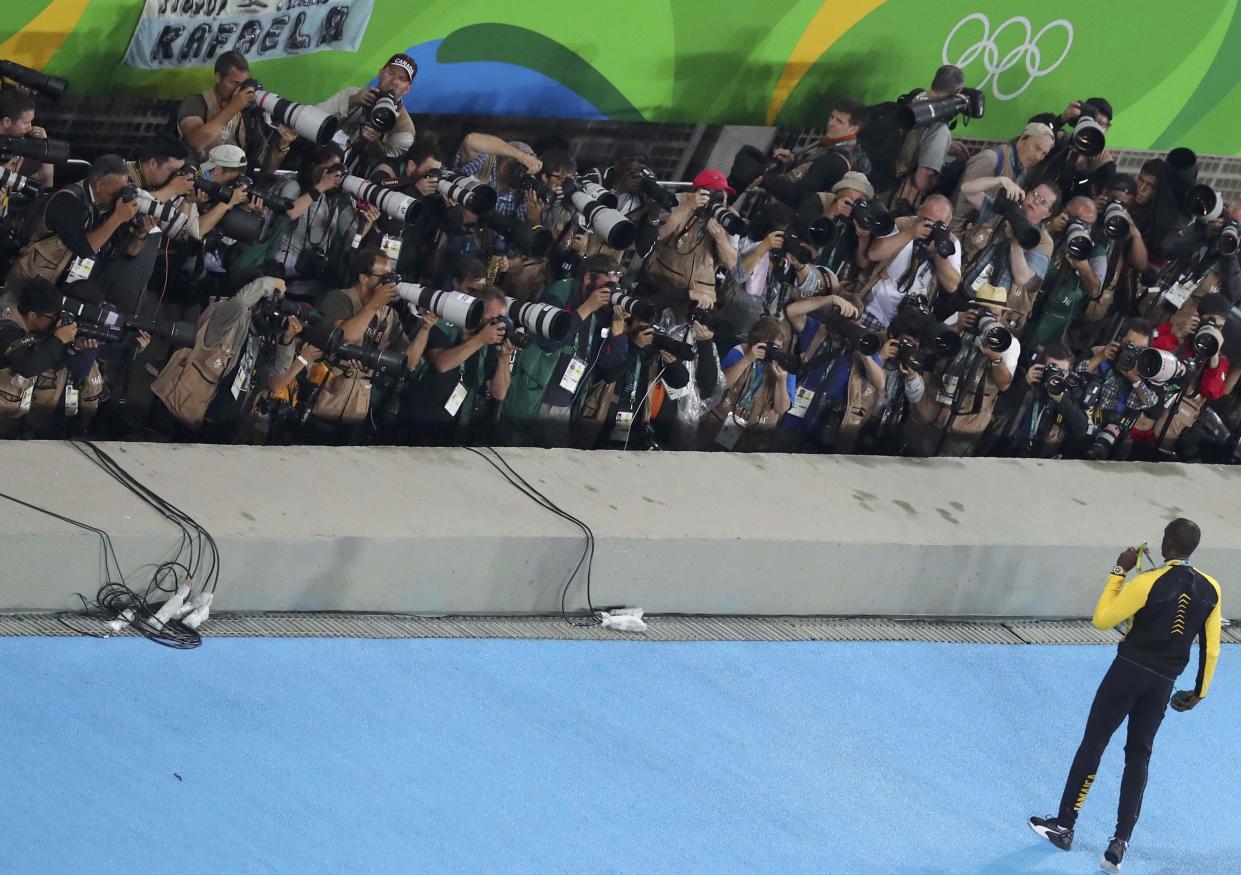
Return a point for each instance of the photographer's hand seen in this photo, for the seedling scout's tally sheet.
(619, 318)
(889, 349)
(143, 340)
(701, 332)
(643, 338)
(365, 97)
(757, 352)
(370, 134)
(291, 331)
(242, 98)
(66, 331)
(783, 156)
(1034, 375)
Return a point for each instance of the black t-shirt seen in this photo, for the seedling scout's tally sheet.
(27, 354)
(69, 217)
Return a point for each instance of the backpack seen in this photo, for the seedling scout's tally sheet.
(883, 135)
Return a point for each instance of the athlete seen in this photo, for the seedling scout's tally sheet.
(1166, 609)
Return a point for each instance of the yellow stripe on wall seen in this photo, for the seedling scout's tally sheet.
(829, 24)
(36, 43)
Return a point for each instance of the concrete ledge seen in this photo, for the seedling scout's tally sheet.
(439, 531)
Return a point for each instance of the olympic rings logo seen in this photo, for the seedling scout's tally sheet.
(988, 49)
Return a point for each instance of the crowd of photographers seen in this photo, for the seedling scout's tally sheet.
(327, 274)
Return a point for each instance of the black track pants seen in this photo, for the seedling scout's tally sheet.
(1128, 690)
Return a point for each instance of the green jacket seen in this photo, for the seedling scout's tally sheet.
(534, 368)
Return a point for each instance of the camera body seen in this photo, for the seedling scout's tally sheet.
(649, 187)
(1127, 357)
(716, 209)
(1025, 233)
(941, 240)
(852, 334)
(531, 183)
(1057, 382)
(912, 356)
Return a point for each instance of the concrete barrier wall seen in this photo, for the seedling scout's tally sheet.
(439, 531)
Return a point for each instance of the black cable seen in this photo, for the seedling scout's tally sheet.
(587, 558)
(115, 598)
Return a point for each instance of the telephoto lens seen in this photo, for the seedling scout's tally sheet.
(610, 224)
(178, 334)
(665, 342)
(43, 151)
(392, 204)
(992, 333)
(639, 308)
(532, 240)
(384, 112)
(1088, 137)
(787, 360)
(16, 183)
(1077, 242)
(729, 221)
(49, 86)
(854, 335)
(1160, 366)
(1208, 340)
(1025, 233)
(1116, 220)
(942, 340)
(1204, 203)
(1228, 239)
(544, 320)
(649, 186)
(910, 355)
(455, 307)
(873, 217)
(168, 216)
(310, 122)
(476, 196)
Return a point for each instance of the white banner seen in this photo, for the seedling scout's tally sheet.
(193, 33)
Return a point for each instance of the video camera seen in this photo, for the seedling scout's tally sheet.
(49, 86)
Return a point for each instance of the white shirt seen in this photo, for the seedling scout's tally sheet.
(886, 295)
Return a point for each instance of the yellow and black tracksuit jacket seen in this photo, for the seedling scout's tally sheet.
(1166, 608)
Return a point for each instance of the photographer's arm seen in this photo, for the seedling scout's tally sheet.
(1136, 255)
(947, 270)
(476, 144)
(202, 134)
(1076, 422)
(497, 386)
(888, 247)
(1086, 275)
(725, 252)
(1022, 272)
(444, 360)
(30, 356)
(678, 218)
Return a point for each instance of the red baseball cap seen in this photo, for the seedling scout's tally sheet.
(712, 179)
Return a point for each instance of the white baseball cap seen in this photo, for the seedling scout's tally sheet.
(227, 156)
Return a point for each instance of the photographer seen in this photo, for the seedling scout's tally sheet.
(676, 409)
(17, 120)
(821, 166)
(499, 164)
(82, 224)
(1070, 281)
(774, 267)
(1048, 410)
(364, 314)
(352, 106)
(204, 392)
(757, 392)
(923, 150)
(310, 243)
(993, 253)
(1004, 161)
(467, 371)
(210, 262)
(526, 276)
(1126, 259)
(1071, 169)
(693, 245)
(415, 174)
(1121, 394)
(33, 343)
(909, 262)
(837, 385)
(615, 415)
(844, 249)
(1203, 379)
(550, 379)
(960, 396)
(223, 115)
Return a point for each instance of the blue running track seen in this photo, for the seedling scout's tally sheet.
(474, 756)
